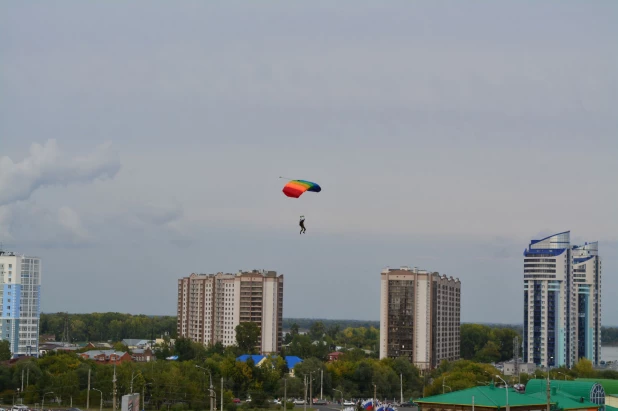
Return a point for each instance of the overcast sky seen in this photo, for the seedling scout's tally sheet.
(143, 141)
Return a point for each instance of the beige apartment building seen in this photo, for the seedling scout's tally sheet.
(210, 306)
(419, 316)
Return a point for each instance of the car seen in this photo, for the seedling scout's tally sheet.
(236, 400)
(299, 402)
(348, 403)
(319, 402)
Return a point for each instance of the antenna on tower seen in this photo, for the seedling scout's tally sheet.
(516, 357)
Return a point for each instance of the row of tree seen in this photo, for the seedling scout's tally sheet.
(106, 326)
(183, 384)
(483, 343)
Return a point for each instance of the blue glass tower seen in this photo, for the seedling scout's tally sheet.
(561, 302)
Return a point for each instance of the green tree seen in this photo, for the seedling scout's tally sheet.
(583, 368)
(247, 335)
(184, 349)
(5, 350)
(317, 330)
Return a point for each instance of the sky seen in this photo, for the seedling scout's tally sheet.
(141, 142)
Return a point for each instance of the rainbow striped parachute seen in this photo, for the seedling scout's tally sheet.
(296, 188)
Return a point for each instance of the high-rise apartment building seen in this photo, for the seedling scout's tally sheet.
(419, 316)
(20, 298)
(562, 302)
(210, 306)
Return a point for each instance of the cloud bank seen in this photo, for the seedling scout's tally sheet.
(47, 166)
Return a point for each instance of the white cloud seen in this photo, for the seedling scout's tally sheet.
(159, 215)
(27, 225)
(47, 166)
(170, 219)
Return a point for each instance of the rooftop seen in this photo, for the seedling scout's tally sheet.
(495, 397)
(610, 386)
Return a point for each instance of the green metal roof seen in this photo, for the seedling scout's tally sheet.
(574, 388)
(610, 386)
(485, 396)
(494, 397)
(564, 401)
(610, 408)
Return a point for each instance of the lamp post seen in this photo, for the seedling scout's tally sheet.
(211, 387)
(213, 392)
(506, 388)
(144, 395)
(133, 378)
(401, 387)
(101, 392)
(285, 394)
(445, 386)
(341, 392)
(548, 385)
(43, 402)
(375, 389)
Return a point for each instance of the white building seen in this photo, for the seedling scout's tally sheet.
(562, 302)
(419, 316)
(527, 368)
(210, 306)
(20, 298)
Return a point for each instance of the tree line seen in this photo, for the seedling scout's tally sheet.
(106, 326)
(348, 333)
(183, 384)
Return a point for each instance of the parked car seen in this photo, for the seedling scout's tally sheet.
(236, 400)
(348, 403)
(300, 402)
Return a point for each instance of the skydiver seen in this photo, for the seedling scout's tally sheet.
(302, 224)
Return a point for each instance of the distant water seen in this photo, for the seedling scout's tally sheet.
(609, 353)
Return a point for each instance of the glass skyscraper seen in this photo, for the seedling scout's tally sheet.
(562, 302)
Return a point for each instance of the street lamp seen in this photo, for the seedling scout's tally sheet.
(445, 386)
(506, 388)
(341, 392)
(211, 389)
(144, 395)
(43, 402)
(213, 392)
(133, 378)
(101, 392)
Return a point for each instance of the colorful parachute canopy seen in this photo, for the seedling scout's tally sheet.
(296, 187)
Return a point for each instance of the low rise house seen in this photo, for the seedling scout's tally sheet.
(334, 356)
(137, 343)
(508, 368)
(99, 345)
(107, 356)
(258, 360)
(142, 355)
